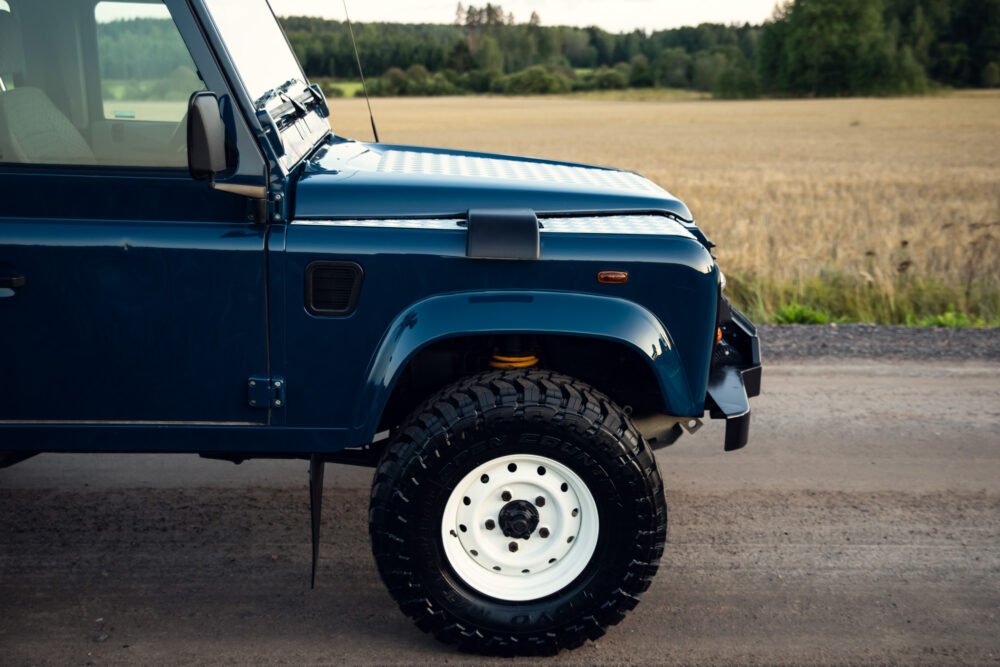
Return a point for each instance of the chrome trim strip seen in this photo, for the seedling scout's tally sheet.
(388, 224)
(649, 225)
(251, 191)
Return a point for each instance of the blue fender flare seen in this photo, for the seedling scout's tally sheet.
(515, 312)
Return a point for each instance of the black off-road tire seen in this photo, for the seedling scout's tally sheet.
(496, 414)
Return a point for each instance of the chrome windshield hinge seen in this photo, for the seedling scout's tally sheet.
(265, 392)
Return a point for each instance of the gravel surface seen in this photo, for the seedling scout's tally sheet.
(870, 341)
(219, 576)
(860, 526)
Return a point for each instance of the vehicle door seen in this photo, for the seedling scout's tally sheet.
(129, 293)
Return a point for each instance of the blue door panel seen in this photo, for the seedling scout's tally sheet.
(129, 320)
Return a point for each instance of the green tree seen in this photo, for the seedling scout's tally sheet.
(807, 48)
(991, 75)
(641, 72)
(834, 47)
(707, 68)
(489, 58)
(673, 68)
(536, 80)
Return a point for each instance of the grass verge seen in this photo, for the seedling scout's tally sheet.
(835, 297)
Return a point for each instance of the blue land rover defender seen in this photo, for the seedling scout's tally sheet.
(191, 261)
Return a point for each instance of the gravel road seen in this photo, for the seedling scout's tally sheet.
(860, 526)
(869, 341)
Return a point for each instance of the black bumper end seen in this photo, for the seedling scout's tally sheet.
(735, 380)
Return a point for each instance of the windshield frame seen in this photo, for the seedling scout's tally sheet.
(268, 117)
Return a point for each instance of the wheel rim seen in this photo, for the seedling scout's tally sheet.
(520, 527)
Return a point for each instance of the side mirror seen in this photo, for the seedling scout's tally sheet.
(206, 138)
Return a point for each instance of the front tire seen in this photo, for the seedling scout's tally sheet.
(517, 512)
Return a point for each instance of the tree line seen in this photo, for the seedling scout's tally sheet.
(807, 48)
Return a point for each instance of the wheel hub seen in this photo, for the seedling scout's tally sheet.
(520, 527)
(518, 519)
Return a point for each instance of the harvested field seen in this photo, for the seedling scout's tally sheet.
(883, 210)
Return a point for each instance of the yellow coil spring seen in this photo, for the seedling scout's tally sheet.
(499, 361)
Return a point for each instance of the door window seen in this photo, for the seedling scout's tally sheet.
(93, 85)
(146, 71)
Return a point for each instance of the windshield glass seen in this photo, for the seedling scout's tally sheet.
(256, 45)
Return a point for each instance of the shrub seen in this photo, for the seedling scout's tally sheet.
(641, 74)
(535, 80)
(605, 78)
(795, 313)
(950, 320)
(991, 75)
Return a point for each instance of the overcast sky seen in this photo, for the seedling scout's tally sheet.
(613, 15)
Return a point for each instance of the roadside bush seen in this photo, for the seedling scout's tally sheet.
(328, 86)
(390, 84)
(535, 80)
(603, 78)
(641, 74)
(736, 83)
(414, 81)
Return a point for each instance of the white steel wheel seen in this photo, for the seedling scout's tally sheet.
(520, 527)
(517, 512)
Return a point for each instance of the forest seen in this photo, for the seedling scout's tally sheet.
(807, 48)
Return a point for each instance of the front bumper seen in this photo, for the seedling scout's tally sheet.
(735, 375)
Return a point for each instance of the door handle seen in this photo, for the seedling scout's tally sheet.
(11, 282)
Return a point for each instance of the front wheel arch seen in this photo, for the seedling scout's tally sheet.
(573, 315)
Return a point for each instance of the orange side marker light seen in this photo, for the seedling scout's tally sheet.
(612, 277)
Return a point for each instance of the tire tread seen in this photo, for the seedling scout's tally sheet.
(502, 396)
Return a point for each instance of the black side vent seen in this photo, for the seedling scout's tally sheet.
(332, 288)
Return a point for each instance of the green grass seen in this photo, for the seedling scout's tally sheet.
(796, 313)
(949, 320)
(346, 88)
(835, 297)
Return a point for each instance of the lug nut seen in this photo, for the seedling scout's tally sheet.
(543, 532)
(490, 524)
(540, 501)
(505, 496)
(512, 546)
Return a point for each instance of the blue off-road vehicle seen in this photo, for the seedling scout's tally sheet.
(191, 261)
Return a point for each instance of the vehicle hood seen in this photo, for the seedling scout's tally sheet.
(349, 179)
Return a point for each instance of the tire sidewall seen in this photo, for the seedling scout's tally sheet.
(594, 455)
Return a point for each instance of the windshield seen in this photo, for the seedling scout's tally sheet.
(272, 77)
(256, 45)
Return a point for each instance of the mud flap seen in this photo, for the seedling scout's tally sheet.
(316, 469)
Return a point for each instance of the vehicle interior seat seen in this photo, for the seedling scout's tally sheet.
(32, 128)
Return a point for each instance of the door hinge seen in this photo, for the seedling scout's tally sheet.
(265, 392)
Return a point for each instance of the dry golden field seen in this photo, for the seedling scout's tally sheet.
(894, 201)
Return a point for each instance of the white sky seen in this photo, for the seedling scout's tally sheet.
(612, 15)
